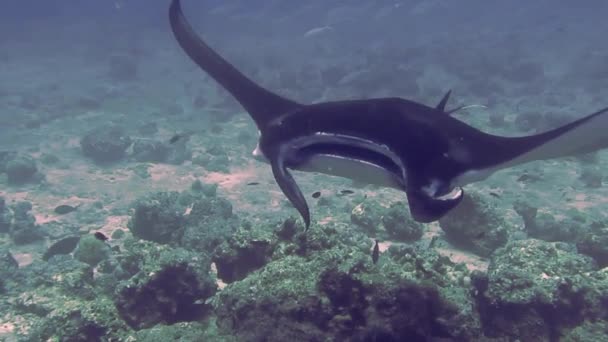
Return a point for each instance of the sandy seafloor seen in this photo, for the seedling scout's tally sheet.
(56, 81)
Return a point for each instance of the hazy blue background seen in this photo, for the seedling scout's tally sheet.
(61, 48)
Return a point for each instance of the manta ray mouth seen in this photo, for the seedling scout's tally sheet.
(453, 194)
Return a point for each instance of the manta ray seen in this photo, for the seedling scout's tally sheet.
(390, 142)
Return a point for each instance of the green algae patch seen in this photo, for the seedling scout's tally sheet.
(91, 250)
(55, 316)
(331, 289)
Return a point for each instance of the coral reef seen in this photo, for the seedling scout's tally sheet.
(368, 215)
(163, 285)
(242, 253)
(6, 216)
(91, 250)
(150, 151)
(594, 243)
(399, 225)
(24, 228)
(538, 290)
(21, 169)
(545, 226)
(105, 144)
(335, 292)
(209, 223)
(476, 224)
(158, 217)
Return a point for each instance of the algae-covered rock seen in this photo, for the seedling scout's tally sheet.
(141, 170)
(6, 216)
(24, 229)
(337, 293)
(118, 234)
(399, 225)
(158, 217)
(179, 153)
(105, 144)
(368, 215)
(197, 219)
(534, 291)
(588, 331)
(21, 169)
(184, 331)
(477, 225)
(173, 294)
(209, 223)
(592, 177)
(594, 243)
(75, 320)
(150, 151)
(163, 285)
(8, 264)
(91, 251)
(8, 267)
(209, 190)
(61, 273)
(243, 252)
(547, 227)
(595, 289)
(287, 229)
(533, 271)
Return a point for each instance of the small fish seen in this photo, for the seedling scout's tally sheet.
(375, 252)
(494, 194)
(100, 236)
(63, 246)
(345, 193)
(253, 183)
(316, 194)
(433, 242)
(317, 31)
(180, 136)
(65, 209)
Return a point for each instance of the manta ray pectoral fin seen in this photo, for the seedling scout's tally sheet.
(585, 135)
(290, 188)
(261, 104)
(444, 101)
(425, 208)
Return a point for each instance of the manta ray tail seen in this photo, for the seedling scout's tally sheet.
(262, 104)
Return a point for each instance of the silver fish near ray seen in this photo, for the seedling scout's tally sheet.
(391, 142)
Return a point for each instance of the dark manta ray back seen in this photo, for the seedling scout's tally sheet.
(390, 142)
